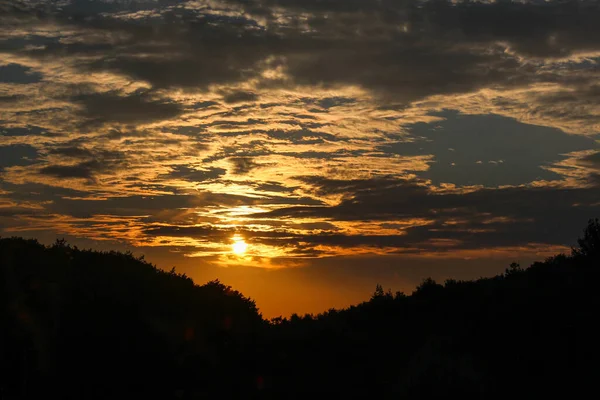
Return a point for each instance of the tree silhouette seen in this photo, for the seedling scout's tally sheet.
(589, 244)
(378, 293)
(513, 269)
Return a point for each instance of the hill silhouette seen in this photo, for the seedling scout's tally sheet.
(82, 324)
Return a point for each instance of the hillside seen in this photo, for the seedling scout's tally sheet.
(85, 324)
(80, 324)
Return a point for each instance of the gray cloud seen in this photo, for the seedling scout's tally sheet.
(196, 175)
(545, 215)
(406, 50)
(240, 97)
(139, 107)
(389, 199)
(72, 152)
(197, 232)
(93, 162)
(242, 165)
(83, 170)
(592, 160)
(24, 131)
(571, 24)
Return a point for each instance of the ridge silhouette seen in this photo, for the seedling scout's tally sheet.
(83, 324)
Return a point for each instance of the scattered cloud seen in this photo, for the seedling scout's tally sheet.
(314, 129)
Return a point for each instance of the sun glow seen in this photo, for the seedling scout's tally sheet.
(239, 246)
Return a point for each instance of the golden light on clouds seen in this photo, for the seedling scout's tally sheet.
(244, 142)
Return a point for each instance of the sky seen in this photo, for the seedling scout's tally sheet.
(303, 151)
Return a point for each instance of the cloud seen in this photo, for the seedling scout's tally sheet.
(138, 107)
(389, 199)
(24, 131)
(196, 175)
(198, 232)
(93, 162)
(593, 160)
(473, 219)
(159, 121)
(83, 170)
(242, 165)
(240, 97)
(399, 51)
(539, 28)
(443, 47)
(72, 152)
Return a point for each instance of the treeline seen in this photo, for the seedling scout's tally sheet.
(81, 324)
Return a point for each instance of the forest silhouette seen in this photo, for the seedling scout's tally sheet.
(83, 324)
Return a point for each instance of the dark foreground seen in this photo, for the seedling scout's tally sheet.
(79, 324)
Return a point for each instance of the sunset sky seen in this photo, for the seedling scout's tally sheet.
(303, 150)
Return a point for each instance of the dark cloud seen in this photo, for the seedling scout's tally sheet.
(593, 160)
(72, 152)
(390, 199)
(16, 211)
(91, 8)
(537, 27)
(328, 102)
(83, 170)
(196, 175)
(324, 226)
(509, 216)
(325, 155)
(39, 192)
(274, 187)
(139, 107)
(240, 97)
(242, 165)
(24, 131)
(549, 28)
(233, 124)
(352, 187)
(10, 99)
(305, 136)
(124, 206)
(16, 73)
(252, 149)
(78, 204)
(406, 50)
(185, 49)
(197, 232)
(95, 162)
(127, 133)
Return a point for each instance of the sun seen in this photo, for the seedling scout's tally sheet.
(239, 247)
